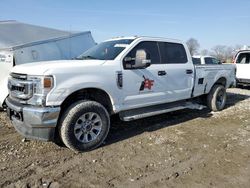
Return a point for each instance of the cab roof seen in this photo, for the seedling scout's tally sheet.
(144, 38)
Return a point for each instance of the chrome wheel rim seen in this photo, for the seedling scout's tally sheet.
(88, 127)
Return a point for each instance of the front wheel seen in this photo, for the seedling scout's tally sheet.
(216, 99)
(84, 126)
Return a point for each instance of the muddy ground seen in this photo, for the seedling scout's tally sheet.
(182, 149)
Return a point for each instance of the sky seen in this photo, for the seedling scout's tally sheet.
(211, 22)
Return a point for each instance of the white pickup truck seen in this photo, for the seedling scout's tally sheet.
(208, 60)
(134, 77)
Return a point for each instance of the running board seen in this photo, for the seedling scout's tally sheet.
(140, 113)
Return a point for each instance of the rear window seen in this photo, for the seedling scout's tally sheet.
(196, 61)
(208, 60)
(243, 58)
(173, 53)
(211, 61)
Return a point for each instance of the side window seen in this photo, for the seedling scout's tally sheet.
(208, 60)
(173, 53)
(196, 61)
(243, 58)
(152, 51)
(216, 61)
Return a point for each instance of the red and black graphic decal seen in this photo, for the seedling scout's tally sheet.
(146, 84)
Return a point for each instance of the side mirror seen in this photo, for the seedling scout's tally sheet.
(139, 62)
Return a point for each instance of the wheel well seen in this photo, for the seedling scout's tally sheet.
(221, 81)
(93, 94)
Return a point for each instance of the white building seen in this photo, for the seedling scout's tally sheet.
(24, 43)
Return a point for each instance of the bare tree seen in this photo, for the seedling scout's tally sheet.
(222, 52)
(193, 45)
(205, 52)
(218, 51)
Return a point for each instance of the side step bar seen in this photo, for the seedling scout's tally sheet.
(144, 112)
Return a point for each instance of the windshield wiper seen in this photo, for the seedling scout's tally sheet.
(85, 57)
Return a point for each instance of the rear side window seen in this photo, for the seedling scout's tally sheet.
(196, 61)
(173, 53)
(213, 61)
(243, 58)
(152, 51)
(208, 60)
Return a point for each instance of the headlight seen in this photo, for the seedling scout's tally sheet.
(42, 85)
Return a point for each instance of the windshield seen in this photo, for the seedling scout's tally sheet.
(106, 50)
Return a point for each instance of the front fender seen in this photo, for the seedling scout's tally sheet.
(64, 88)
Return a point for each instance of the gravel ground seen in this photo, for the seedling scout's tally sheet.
(187, 148)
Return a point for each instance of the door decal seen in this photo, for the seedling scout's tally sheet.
(146, 84)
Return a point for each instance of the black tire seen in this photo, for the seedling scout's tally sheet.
(69, 123)
(216, 99)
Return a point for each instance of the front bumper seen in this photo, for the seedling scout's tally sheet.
(33, 122)
(243, 81)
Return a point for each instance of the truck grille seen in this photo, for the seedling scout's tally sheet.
(19, 87)
(19, 76)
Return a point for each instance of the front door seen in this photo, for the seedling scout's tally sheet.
(144, 87)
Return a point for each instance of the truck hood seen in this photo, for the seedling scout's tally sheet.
(43, 67)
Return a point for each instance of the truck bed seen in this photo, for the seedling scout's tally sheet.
(207, 75)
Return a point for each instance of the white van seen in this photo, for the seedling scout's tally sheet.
(242, 61)
(24, 43)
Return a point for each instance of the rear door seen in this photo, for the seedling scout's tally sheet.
(179, 71)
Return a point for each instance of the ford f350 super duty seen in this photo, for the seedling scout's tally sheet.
(134, 77)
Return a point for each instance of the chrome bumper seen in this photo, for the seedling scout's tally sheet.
(243, 81)
(33, 122)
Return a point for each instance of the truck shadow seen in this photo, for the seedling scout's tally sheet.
(233, 99)
(243, 87)
(124, 130)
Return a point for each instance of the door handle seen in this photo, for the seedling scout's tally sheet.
(161, 73)
(189, 71)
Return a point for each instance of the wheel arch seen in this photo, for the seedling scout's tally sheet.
(221, 81)
(94, 94)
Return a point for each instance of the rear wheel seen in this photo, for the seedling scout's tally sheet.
(216, 99)
(84, 126)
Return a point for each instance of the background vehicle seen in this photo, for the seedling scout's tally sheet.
(23, 43)
(242, 61)
(134, 77)
(208, 60)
